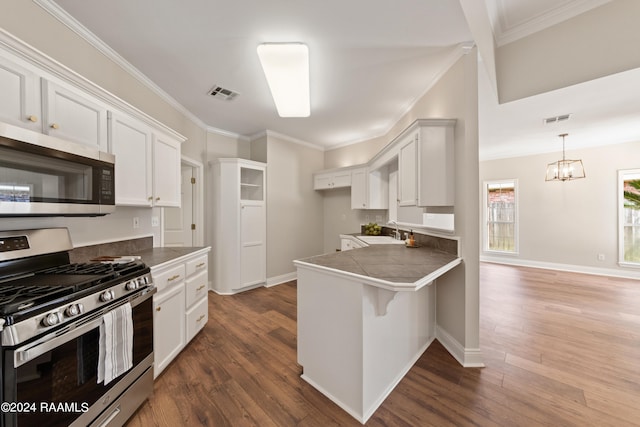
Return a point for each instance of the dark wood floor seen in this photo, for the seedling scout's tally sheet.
(561, 349)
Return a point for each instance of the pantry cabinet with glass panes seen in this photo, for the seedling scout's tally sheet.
(239, 239)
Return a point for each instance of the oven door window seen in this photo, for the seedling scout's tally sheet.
(30, 177)
(66, 376)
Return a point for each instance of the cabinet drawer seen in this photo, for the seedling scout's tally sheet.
(170, 277)
(197, 265)
(196, 318)
(196, 288)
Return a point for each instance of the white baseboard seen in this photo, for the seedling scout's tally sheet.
(467, 357)
(283, 278)
(627, 274)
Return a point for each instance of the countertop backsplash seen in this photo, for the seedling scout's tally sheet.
(120, 248)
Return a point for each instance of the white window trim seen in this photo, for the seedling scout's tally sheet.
(621, 174)
(516, 229)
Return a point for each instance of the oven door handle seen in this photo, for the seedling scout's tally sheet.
(47, 343)
(26, 354)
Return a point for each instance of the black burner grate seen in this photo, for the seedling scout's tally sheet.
(52, 284)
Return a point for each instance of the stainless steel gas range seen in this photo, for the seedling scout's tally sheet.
(76, 339)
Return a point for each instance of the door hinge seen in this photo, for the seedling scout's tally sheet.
(193, 180)
(193, 226)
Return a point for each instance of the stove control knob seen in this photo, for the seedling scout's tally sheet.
(107, 296)
(73, 310)
(51, 319)
(132, 285)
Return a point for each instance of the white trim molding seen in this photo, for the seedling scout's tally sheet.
(467, 357)
(283, 278)
(597, 271)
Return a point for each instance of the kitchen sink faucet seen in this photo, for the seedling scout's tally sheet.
(396, 234)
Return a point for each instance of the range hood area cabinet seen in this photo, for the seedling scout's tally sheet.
(50, 107)
(240, 227)
(426, 164)
(370, 188)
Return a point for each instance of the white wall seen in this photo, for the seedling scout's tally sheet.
(594, 44)
(566, 225)
(294, 210)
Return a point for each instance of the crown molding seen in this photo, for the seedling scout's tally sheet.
(287, 138)
(453, 57)
(506, 34)
(61, 15)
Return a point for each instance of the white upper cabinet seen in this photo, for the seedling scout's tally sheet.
(74, 116)
(131, 143)
(436, 163)
(408, 171)
(332, 179)
(359, 188)
(20, 96)
(370, 188)
(166, 171)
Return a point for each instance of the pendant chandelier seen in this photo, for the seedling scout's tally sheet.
(565, 169)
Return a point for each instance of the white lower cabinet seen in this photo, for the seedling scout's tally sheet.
(180, 305)
(168, 326)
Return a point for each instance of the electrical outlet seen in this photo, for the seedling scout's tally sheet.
(600, 257)
(136, 222)
(155, 221)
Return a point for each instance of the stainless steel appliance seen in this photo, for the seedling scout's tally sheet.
(41, 175)
(51, 311)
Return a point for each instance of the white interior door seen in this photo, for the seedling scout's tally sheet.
(178, 230)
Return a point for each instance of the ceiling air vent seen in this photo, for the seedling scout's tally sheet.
(556, 119)
(222, 93)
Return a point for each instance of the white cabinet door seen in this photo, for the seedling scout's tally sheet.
(359, 188)
(341, 179)
(72, 116)
(407, 170)
(20, 96)
(168, 326)
(322, 182)
(166, 171)
(252, 243)
(436, 167)
(130, 142)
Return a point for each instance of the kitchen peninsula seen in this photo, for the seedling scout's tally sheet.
(366, 315)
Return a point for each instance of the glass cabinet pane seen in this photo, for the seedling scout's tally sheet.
(251, 184)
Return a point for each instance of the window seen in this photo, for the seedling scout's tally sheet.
(501, 227)
(629, 216)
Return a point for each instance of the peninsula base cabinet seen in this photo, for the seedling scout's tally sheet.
(180, 305)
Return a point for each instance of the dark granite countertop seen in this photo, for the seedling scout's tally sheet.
(154, 257)
(390, 266)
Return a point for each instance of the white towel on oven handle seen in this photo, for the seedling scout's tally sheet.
(116, 344)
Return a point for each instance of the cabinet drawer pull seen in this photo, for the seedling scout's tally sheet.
(32, 118)
(157, 199)
(172, 278)
(200, 318)
(158, 308)
(149, 198)
(200, 265)
(201, 287)
(55, 126)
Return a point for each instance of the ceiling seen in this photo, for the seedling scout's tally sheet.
(370, 61)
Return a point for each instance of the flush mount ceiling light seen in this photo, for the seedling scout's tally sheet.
(565, 169)
(286, 67)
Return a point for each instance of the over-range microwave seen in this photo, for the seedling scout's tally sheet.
(41, 175)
